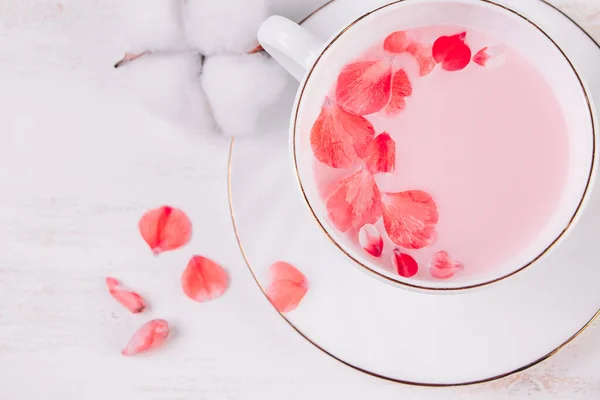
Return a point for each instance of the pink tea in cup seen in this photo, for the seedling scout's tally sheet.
(440, 150)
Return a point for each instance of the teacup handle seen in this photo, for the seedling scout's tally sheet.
(289, 44)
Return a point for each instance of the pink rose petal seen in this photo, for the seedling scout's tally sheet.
(287, 288)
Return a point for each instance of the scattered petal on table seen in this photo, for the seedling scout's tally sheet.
(165, 228)
(204, 280)
(130, 300)
(151, 335)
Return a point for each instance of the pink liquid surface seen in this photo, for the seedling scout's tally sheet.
(490, 145)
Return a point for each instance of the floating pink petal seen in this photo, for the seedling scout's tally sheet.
(452, 52)
(354, 202)
(401, 88)
(130, 300)
(405, 265)
(443, 267)
(381, 154)
(423, 55)
(410, 218)
(490, 57)
(151, 335)
(287, 288)
(364, 87)
(397, 42)
(165, 228)
(370, 239)
(338, 138)
(204, 280)
(395, 105)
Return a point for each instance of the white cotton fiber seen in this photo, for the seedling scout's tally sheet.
(222, 26)
(239, 88)
(169, 87)
(153, 25)
(293, 9)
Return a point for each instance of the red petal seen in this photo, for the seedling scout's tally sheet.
(151, 335)
(396, 42)
(401, 88)
(165, 228)
(423, 56)
(381, 154)
(287, 288)
(130, 300)
(443, 267)
(396, 105)
(452, 52)
(406, 266)
(355, 201)
(338, 138)
(410, 218)
(364, 87)
(490, 57)
(370, 239)
(204, 280)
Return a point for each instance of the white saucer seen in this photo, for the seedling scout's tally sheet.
(395, 333)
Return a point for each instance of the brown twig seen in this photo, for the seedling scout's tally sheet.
(257, 49)
(129, 57)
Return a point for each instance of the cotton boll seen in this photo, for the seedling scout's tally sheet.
(169, 87)
(293, 9)
(153, 25)
(222, 26)
(239, 88)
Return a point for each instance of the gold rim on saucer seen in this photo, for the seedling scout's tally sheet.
(424, 384)
(412, 285)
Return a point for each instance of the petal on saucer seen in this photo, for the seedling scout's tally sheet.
(370, 239)
(204, 280)
(287, 288)
(354, 202)
(165, 228)
(405, 265)
(151, 335)
(364, 87)
(452, 52)
(410, 218)
(396, 42)
(401, 88)
(130, 300)
(339, 139)
(381, 154)
(490, 57)
(443, 267)
(423, 56)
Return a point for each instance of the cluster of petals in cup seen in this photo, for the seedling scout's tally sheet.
(342, 137)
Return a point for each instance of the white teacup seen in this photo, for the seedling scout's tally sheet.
(317, 65)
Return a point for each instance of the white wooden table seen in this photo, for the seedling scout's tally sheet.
(79, 164)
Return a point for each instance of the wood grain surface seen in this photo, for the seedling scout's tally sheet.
(80, 162)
